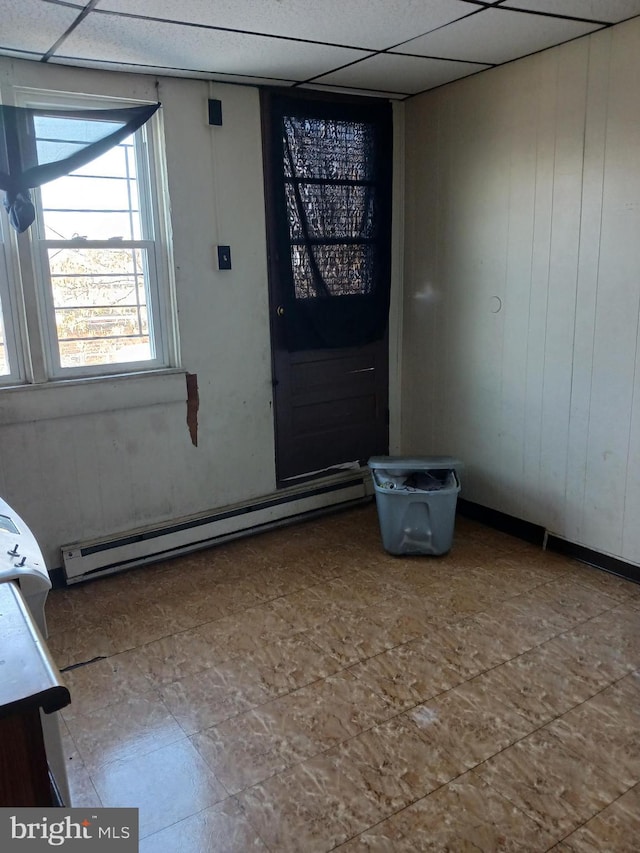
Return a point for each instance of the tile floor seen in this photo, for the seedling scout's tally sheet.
(304, 691)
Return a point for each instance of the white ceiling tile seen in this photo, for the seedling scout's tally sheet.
(161, 71)
(371, 24)
(594, 10)
(496, 35)
(479, 34)
(143, 42)
(33, 25)
(409, 74)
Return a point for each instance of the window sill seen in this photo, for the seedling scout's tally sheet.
(71, 397)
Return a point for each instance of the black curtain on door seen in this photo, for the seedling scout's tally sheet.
(332, 181)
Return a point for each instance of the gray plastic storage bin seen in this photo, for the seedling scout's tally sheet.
(416, 498)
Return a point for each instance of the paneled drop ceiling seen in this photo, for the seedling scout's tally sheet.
(391, 47)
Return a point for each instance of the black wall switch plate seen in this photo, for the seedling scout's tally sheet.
(224, 257)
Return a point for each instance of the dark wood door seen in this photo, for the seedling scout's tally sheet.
(328, 189)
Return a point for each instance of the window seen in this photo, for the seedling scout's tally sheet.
(96, 258)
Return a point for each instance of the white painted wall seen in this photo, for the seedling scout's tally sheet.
(522, 287)
(93, 460)
(85, 461)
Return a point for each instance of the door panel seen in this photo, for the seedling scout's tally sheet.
(331, 408)
(328, 222)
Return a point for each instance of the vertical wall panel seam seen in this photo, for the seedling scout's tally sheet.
(595, 305)
(577, 276)
(531, 267)
(546, 313)
(505, 301)
(435, 425)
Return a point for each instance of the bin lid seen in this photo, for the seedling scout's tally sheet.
(415, 463)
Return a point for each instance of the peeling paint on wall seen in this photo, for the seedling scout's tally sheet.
(193, 404)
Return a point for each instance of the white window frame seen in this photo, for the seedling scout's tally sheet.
(40, 361)
(11, 317)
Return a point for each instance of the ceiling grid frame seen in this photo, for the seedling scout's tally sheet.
(386, 49)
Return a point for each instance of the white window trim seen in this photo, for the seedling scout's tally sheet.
(28, 304)
(13, 333)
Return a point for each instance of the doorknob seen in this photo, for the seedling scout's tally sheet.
(280, 310)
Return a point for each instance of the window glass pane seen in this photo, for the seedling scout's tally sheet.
(332, 210)
(99, 201)
(58, 137)
(98, 352)
(111, 164)
(329, 149)
(100, 305)
(76, 192)
(91, 226)
(345, 270)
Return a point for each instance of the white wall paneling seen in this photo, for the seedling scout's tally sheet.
(523, 186)
(75, 473)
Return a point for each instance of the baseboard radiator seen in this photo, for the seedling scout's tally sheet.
(87, 560)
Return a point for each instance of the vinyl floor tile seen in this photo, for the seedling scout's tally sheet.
(242, 633)
(597, 659)
(616, 828)
(464, 816)
(353, 637)
(291, 663)
(82, 644)
(105, 682)
(401, 618)
(123, 729)
(166, 785)
(550, 783)
(606, 730)
(537, 685)
(72, 608)
(393, 765)
(334, 709)
(312, 808)
(222, 691)
(221, 828)
(470, 723)
(253, 746)
(303, 689)
(406, 676)
(81, 788)
(170, 658)
(601, 581)
(309, 607)
(358, 589)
